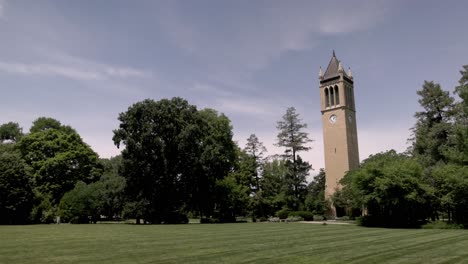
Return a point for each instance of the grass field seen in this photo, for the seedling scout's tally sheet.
(229, 243)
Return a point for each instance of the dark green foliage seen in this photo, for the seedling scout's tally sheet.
(87, 202)
(112, 186)
(292, 137)
(80, 205)
(16, 195)
(315, 199)
(391, 187)
(441, 225)
(59, 158)
(44, 210)
(283, 213)
(10, 132)
(46, 123)
(433, 127)
(255, 149)
(274, 186)
(175, 157)
(211, 220)
(452, 183)
(305, 215)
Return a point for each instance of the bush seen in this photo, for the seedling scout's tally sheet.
(274, 219)
(305, 215)
(262, 219)
(320, 218)
(209, 221)
(176, 218)
(344, 218)
(368, 221)
(441, 225)
(294, 219)
(283, 214)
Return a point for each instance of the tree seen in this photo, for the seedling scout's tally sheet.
(16, 196)
(112, 186)
(391, 188)
(173, 157)
(315, 199)
(433, 126)
(458, 153)
(452, 183)
(88, 202)
(10, 132)
(218, 159)
(59, 159)
(80, 205)
(254, 147)
(45, 123)
(274, 187)
(292, 137)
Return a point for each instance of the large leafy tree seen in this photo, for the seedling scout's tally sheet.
(391, 188)
(294, 139)
(452, 183)
(218, 159)
(16, 195)
(11, 132)
(173, 157)
(59, 159)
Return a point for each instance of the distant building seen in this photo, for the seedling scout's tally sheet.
(339, 126)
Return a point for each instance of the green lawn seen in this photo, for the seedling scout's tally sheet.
(229, 243)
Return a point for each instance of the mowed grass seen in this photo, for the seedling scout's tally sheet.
(229, 243)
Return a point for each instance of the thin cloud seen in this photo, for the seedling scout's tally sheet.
(49, 70)
(267, 34)
(70, 71)
(2, 8)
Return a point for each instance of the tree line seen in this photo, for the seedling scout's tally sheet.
(177, 162)
(429, 181)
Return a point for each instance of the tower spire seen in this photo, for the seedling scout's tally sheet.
(320, 73)
(334, 54)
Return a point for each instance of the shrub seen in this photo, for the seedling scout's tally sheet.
(320, 218)
(274, 219)
(283, 213)
(305, 215)
(209, 221)
(262, 219)
(176, 218)
(294, 219)
(441, 225)
(344, 218)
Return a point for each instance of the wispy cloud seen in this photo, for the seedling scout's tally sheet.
(49, 69)
(267, 34)
(2, 8)
(76, 72)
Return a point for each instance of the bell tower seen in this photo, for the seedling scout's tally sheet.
(339, 126)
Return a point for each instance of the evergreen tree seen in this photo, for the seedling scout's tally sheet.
(294, 139)
(433, 126)
(254, 148)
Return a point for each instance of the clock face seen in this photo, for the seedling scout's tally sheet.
(332, 119)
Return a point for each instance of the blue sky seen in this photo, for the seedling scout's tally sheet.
(84, 62)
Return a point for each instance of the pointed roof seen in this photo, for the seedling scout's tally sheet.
(333, 68)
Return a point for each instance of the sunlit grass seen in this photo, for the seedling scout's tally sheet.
(229, 243)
